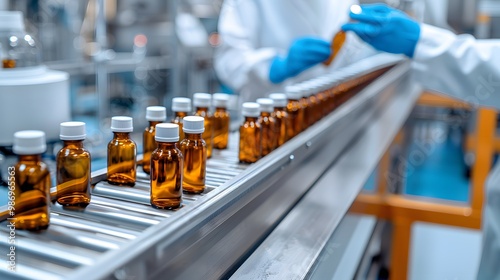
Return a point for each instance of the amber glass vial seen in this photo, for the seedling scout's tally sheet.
(250, 148)
(194, 150)
(202, 102)
(73, 166)
(268, 126)
(9, 63)
(154, 115)
(181, 106)
(32, 182)
(221, 121)
(336, 45)
(295, 111)
(166, 168)
(307, 106)
(280, 115)
(122, 153)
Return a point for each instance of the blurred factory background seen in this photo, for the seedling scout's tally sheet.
(125, 55)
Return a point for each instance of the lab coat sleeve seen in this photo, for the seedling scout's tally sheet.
(460, 66)
(237, 61)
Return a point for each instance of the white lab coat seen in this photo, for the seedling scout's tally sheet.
(253, 32)
(469, 69)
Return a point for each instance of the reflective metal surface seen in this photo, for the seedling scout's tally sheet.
(293, 248)
(119, 236)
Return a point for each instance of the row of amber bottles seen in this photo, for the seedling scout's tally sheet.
(32, 177)
(175, 169)
(216, 126)
(264, 128)
(303, 105)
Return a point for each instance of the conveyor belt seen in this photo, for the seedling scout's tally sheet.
(115, 215)
(119, 236)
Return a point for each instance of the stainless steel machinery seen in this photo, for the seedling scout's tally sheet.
(253, 220)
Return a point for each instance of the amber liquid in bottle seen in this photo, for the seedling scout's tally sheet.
(208, 134)
(148, 145)
(221, 128)
(282, 121)
(122, 153)
(308, 113)
(73, 174)
(296, 116)
(178, 120)
(314, 109)
(250, 141)
(9, 63)
(269, 133)
(32, 193)
(194, 150)
(166, 176)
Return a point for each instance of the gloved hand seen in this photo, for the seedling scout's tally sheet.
(304, 53)
(385, 28)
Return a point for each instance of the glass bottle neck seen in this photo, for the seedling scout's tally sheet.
(220, 109)
(180, 114)
(30, 158)
(265, 114)
(279, 109)
(202, 109)
(192, 136)
(121, 135)
(154, 123)
(73, 143)
(167, 145)
(251, 119)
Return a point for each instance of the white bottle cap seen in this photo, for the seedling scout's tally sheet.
(11, 20)
(266, 105)
(202, 100)
(167, 132)
(156, 113)
(72, 131)
(193, 124)
(293, 92)
(221, 100)
(29, 142)
(122, 124)
(181, 104)
(279, 99)
(250, 109)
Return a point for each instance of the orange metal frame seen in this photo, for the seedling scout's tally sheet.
(403, 211)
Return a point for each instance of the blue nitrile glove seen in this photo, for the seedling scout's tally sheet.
(385, 28)
(303, 54)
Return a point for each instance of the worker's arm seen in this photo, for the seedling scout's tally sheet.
(237, 62)
(240, 61)
(459, 66)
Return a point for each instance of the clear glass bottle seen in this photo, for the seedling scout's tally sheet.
(181, 106)
(281, 116)
(122, 153)
(166, 168)
(17, 48)
(194, 150)
(202, 102)
(222, 120)
(268, 126)
(32, 182)
(295, 111)
(73, 166)
(250, 148)
(154, 115)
